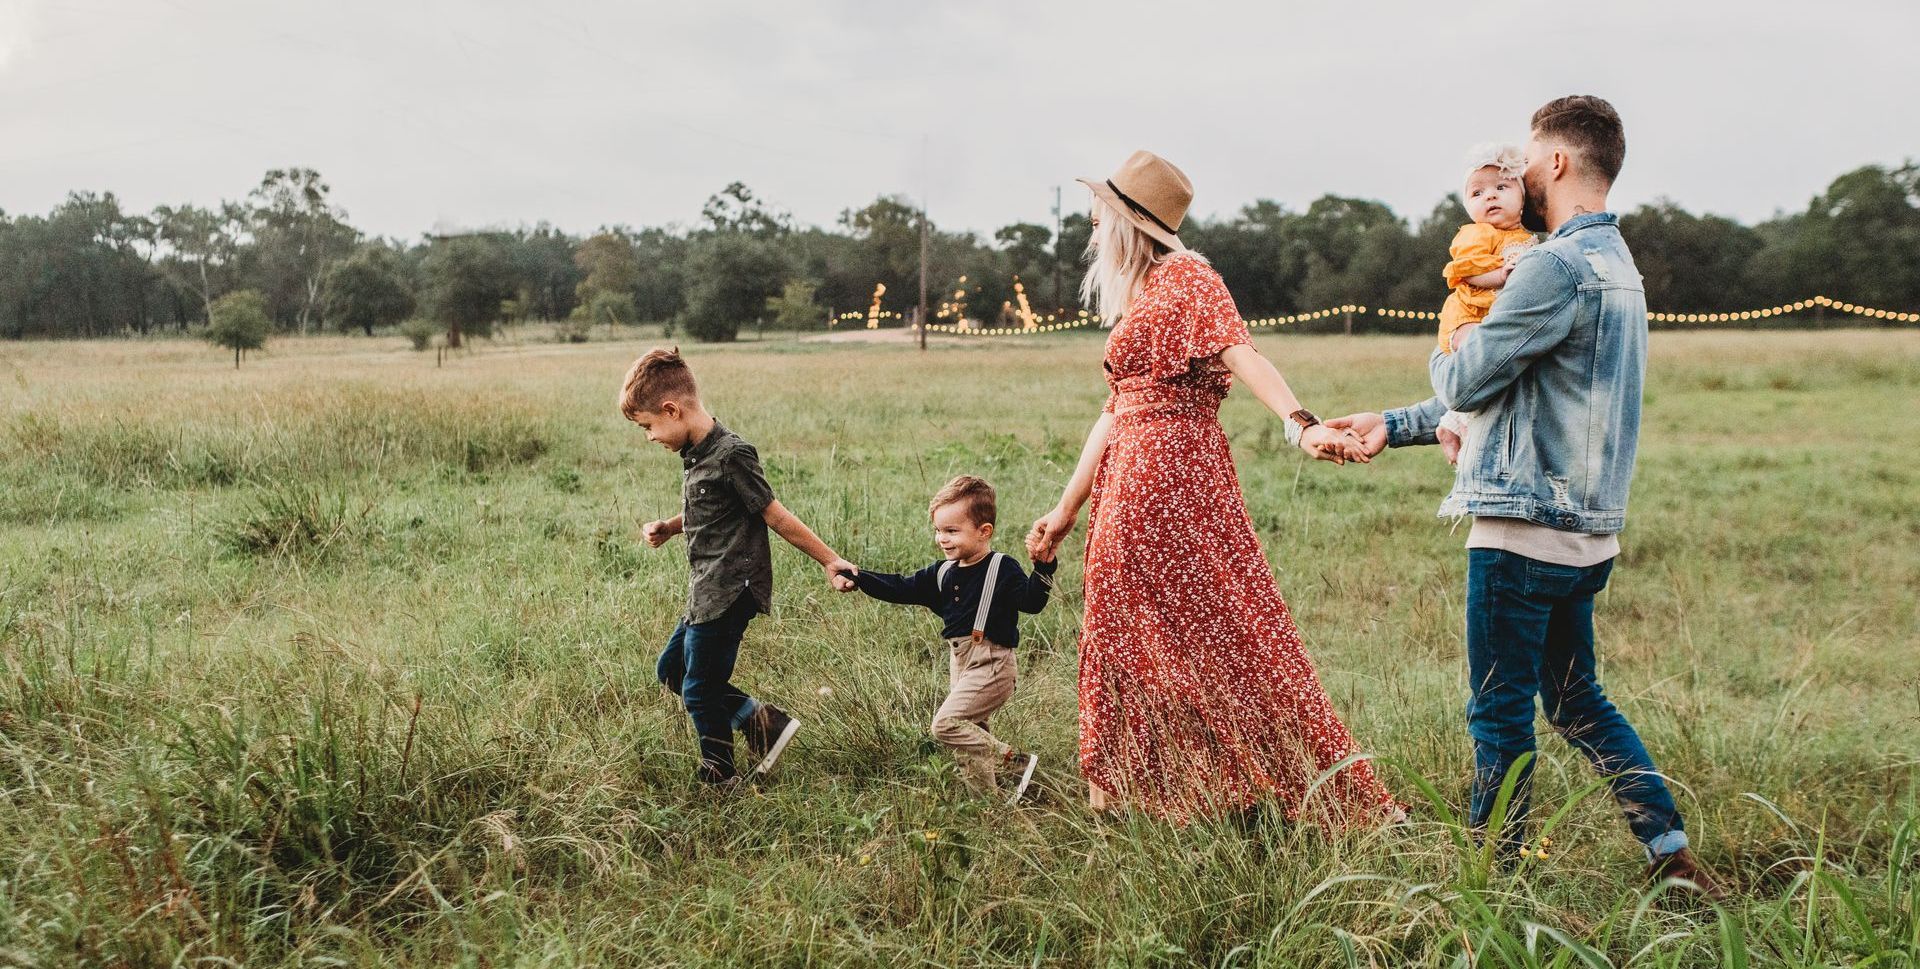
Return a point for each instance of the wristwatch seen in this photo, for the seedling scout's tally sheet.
(1304, 418)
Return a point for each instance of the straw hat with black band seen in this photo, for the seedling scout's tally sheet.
(1150, 193)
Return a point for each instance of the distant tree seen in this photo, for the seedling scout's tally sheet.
(731, 276)
(1686, 261)
(467, 279)
(608, 269)
(1026, 246)
(543, 264)
(607, 307)
(239, 322)
(368, 290)
(660, 290)
(736, 209)
(794, 308)
(202, 245)
(297, 233)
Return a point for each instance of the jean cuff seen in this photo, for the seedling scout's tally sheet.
(745, 713)
(1666, 844)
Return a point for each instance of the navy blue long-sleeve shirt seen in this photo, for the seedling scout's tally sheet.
(958, 604)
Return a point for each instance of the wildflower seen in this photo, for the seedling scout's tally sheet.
(931, 835)
(866, 859)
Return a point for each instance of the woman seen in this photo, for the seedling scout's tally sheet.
(1196, 696)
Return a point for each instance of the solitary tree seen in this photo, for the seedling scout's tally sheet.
(239, 320)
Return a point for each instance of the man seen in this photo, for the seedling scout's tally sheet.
(1554, 372)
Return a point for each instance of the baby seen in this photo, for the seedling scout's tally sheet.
(1483, 253)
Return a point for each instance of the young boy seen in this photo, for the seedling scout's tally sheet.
(977, 591)
(727, 508)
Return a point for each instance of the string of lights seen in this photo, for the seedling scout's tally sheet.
(1783, 309)
(1054, 324)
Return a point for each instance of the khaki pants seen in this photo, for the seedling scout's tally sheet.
(980, 681)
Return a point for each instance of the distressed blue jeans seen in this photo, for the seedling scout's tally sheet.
(1530, 633)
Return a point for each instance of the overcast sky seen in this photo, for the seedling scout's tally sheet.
(469, 113)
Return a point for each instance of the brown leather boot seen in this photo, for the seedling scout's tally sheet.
(1684, 866)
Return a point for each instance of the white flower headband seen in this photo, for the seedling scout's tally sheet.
(1509, 159)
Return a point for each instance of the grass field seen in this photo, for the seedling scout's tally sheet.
(342, 658)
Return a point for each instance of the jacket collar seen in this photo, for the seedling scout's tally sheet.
(1584, 220)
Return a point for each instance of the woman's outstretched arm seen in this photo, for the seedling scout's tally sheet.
(1259, 375)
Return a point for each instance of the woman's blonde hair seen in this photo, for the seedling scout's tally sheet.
(1119, 256)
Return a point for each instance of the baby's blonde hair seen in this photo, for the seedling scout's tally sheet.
(1508, 159)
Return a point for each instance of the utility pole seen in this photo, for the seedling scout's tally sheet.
(923, 248)
(1059, 301)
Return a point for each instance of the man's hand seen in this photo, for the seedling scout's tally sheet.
(1449, 444)
(657, 533)
(1047, 534)
(840, 573)
(1338, 445)
(1370, 427)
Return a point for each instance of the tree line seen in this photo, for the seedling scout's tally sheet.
(285, 258)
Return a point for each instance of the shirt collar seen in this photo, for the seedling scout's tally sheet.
(693, 453)
(1583, 220)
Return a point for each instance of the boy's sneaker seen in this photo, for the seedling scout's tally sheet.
(767, 733)
(1694, 876)
(1024, 762)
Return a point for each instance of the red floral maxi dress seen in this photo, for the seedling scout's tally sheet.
(1196, 696)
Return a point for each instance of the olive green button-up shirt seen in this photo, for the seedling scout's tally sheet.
(727, 550)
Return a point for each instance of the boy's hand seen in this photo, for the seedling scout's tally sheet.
(657, 533)
(1042, 553)
(840, 573)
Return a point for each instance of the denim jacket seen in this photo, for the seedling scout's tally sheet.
(1553, 375)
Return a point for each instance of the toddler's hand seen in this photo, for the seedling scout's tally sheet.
(840, 573)
(1041, 553)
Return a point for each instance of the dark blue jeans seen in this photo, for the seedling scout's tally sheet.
(1530, 632)
(697, 665)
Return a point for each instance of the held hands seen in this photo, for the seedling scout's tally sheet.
(1338, 445)
(840, 573)
(1043, 541)
(1369, 427)
(657, 532)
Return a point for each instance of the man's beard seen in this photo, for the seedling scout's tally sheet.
(1533, 215)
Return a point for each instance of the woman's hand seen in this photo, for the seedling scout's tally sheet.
(1336, 445)
(1048, 532)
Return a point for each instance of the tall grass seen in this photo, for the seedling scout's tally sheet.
(380, 691)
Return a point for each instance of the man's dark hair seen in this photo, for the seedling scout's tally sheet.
(1590, 127)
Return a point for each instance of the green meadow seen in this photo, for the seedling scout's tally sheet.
(346, 658)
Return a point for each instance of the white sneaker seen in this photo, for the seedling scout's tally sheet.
(1026, 773)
